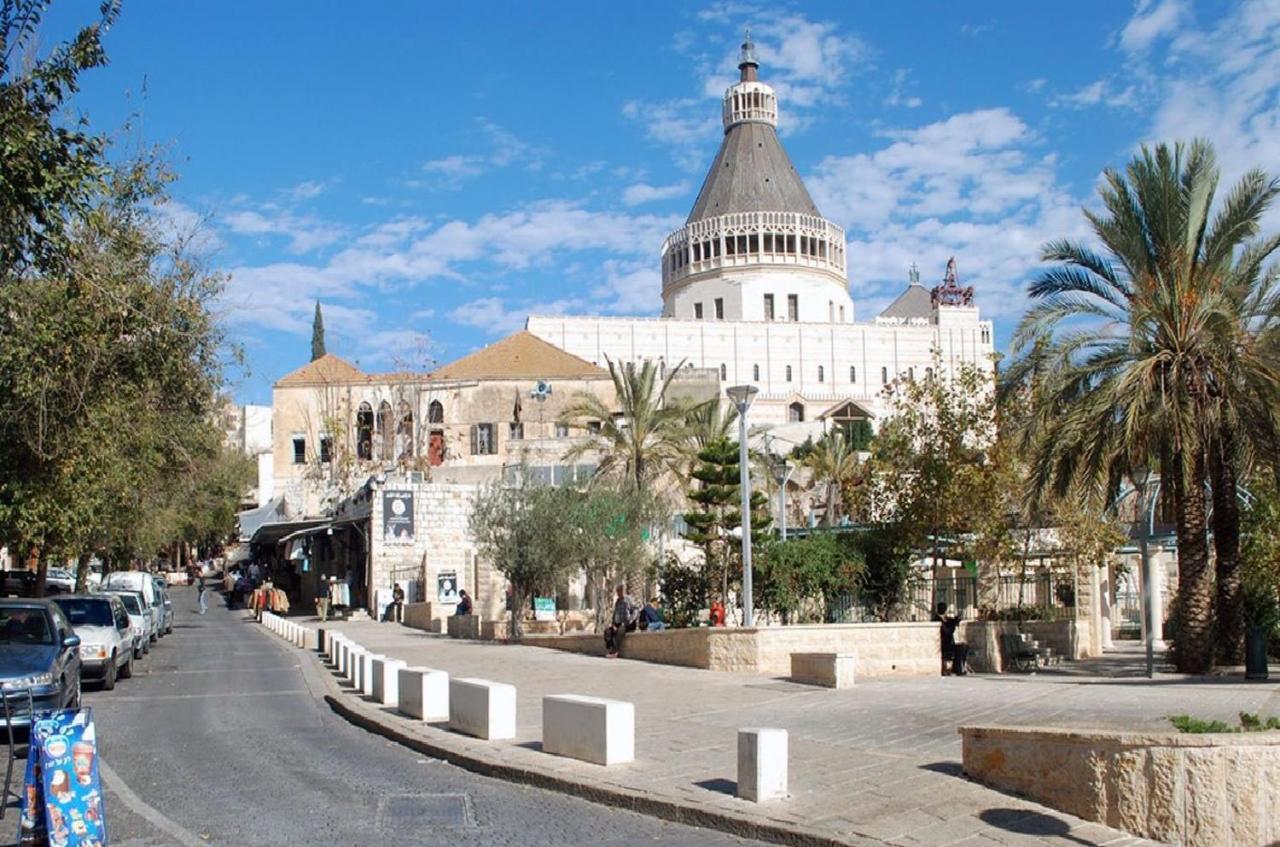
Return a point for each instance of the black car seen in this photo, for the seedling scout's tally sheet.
(40, 653)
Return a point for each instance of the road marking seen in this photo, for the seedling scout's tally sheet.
(154, 816)
(293, 692)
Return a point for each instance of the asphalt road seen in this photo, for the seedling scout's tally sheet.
(218, 739)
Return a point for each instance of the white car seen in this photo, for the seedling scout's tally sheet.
(106, 638)
(139, 621)
(143, 584)
(59, 580)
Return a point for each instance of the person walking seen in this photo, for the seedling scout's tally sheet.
(203, 596)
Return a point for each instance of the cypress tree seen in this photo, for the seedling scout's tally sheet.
(317, 334)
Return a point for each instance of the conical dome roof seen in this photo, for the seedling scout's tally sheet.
(751, 173)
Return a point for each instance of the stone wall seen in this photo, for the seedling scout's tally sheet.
(983, 638)
(881, 649)
(1184, 789)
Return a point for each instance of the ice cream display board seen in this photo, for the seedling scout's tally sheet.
(62, 793)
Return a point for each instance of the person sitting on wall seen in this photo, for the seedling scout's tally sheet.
(625, 616)
(464, 604)
(651, 616)
(955, 651)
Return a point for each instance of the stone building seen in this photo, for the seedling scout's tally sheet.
(755, 288)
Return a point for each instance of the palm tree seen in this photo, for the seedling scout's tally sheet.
(708, 422)
(834, 462)
(1128, 344)
(642, 439)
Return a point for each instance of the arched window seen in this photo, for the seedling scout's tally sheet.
(385, 441)
(884, 376)
(820, 374)
(435, 412)
(755, 373)
(853, 374)
(404, 432)
(364, 432)
(928, 374)
(795, 413)
(724, 372)
(788, 373)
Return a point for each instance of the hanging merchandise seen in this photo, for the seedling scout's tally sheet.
(62, 791)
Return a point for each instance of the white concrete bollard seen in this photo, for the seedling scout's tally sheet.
(386, 680)
(482, 708)
(762, 764)
(334, 648)
(424, 693)
(355, 663)
(366, 673)
(592, 729)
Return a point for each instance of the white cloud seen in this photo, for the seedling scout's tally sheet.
(896, 96)
(455, 167)
(306, 190)
(494, 317)
(503, 149)
(179, 224)
(629, 287)
(1152, 20)
(305, 232)
(1095, 93)
(971, 186)
(402, 350)
(641, 192)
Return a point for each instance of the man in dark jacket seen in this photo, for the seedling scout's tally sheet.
(625, 613)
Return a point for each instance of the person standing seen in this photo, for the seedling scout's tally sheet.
(397, 603)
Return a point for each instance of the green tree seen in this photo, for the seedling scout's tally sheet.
(608, 530)
(834, 463)
(1130, 345)
(643, 442)
(49, 167)
(796, 579)
(716, 511)
(317, 334)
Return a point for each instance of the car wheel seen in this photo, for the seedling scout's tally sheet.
(127, 671)
(109, 681)
(74, 702)
(169, 631)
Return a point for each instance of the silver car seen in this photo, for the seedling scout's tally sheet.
(164, 605)
(139, 621)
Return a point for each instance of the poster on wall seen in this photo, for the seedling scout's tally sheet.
(397, 515)
(544, 608)
(62, 797)
(447, 586)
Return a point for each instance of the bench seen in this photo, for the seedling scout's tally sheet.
(385, 685)
(831, 670)
(762, 764)
(1018, 653)
(482, 708)
(424, 693)
(592, 729)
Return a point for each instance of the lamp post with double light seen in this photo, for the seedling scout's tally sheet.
(742, 395)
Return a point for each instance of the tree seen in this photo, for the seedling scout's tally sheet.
(608, 530)
(716, 510)
(1130, 345)
(317, 334)
(797, 578)
(834, 462)
(642, 442)
(49, 171)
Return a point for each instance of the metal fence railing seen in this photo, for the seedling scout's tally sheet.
(1042, 594)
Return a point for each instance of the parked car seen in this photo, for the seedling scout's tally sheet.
(106, 639)
(150, 617)
(165, 605)
(142, 583)
(59, 581)
(140, 622)
(40, 653)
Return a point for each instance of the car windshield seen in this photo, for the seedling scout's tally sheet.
(24, 625)
(130, 603)
(87, 612)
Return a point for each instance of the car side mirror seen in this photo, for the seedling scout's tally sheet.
(70, 640)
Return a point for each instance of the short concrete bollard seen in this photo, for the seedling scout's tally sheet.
(831, 670)
(334, 653)
(762, 764)
(366, 673)
(322, 641)
(424, 693)
(592, 729)
(355, 662)
(385, 686)
(482, 708)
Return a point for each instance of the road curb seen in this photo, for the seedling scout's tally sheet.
(374, 720)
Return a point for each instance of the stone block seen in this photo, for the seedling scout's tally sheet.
(385, 684)
(464, 626)
(355, 665)
(366, 672)
(424, 693)
(831, 670)
(762, 764)
(482, 708)
(592, 729)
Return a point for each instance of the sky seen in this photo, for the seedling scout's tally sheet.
(432, 173)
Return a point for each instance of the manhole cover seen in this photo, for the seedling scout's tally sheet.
(409, 812)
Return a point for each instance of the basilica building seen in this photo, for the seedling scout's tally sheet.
(755, 288)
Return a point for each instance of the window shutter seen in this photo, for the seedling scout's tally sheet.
(474, 429)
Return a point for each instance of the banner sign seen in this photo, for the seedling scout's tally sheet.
(447, 586)
(397, 515)
(544, 608)
(62, 797)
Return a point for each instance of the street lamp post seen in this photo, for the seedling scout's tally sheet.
(781, 473)
(742, 395)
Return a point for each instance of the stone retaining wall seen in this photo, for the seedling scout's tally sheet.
(1212, 789)
(983, 638)
(884, 649)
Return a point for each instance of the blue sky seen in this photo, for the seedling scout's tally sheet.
(434, 172)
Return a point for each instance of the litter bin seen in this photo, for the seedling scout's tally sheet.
(1255, 653)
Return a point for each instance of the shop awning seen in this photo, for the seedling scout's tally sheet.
(250, 520)
(270, 534)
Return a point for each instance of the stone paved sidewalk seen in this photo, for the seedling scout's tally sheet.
(879, 763)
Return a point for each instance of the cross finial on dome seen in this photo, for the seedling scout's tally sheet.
(913, 274)
(747, 61)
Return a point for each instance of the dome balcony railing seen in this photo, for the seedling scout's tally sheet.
(746, 239)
